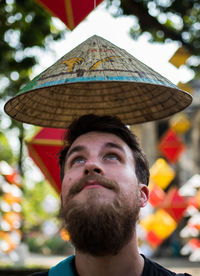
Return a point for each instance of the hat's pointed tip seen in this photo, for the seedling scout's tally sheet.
(95, 36)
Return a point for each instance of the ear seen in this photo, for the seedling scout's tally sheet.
(144, 194)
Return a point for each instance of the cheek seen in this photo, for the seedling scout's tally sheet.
(66, 184)
(128, 183)
(128, 177)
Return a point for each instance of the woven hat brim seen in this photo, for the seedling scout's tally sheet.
(133, 103)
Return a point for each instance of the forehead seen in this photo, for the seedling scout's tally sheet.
(95, 138)
(100, 136)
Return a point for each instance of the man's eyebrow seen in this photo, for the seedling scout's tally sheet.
(75, 149)
(106, 145)
(113, 145)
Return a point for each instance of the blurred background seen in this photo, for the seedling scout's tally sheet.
(161, 33)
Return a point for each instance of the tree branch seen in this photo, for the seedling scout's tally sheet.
(149, 23)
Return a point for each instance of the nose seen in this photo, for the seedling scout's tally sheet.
(92, 167)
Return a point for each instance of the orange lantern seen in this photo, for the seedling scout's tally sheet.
(193, 201)
(10, 199)
(198, 198)
(194, 243)
(9, 244)
(13, 219)
(64, 234)
(10, 174)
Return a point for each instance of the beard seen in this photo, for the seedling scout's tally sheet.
(95, 228)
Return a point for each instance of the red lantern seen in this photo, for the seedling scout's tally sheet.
(156, 196)
(174, 204)
(153, 239)
(171, 146)
(71, 12)
(43, 149)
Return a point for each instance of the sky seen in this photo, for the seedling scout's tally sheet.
(116, 30)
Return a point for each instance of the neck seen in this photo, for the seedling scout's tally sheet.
(127, 262)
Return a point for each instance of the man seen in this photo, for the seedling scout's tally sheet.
(104, 177)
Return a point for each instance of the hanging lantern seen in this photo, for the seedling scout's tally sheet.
(161, 223)
(10, 199)
(161, 173)
(185, 86)
(174, 204)
(71, 12)
(156, 195)
(171, 146)
(180, 57)
(13, 219)
(193, 201)
(153, 239)
(180, 123)
(198, 198)
(43, 149)
(164, 224)
(64, 234)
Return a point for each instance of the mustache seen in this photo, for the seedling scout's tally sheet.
(105, 182)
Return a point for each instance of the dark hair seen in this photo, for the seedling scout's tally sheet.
(109, 124)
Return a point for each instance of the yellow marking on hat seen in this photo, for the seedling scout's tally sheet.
(72, 61)
(95, 65)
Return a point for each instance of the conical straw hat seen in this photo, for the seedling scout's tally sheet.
(97, 77)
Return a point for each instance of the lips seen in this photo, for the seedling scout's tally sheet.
(92, 185)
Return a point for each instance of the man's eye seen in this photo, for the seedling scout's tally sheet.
(78, 160)
(112, 156)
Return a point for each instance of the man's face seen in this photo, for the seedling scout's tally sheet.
(102, 154)
(100, 182)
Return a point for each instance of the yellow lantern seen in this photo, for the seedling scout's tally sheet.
(148, 222)
(180, 123)
(161, 223)
(161, 173)
(186, 87)
(164, 224)
(180, 57)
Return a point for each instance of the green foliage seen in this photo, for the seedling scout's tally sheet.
(33, 210)
(34, 218)
(5, 150)
(54, 245)
(165, 20)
